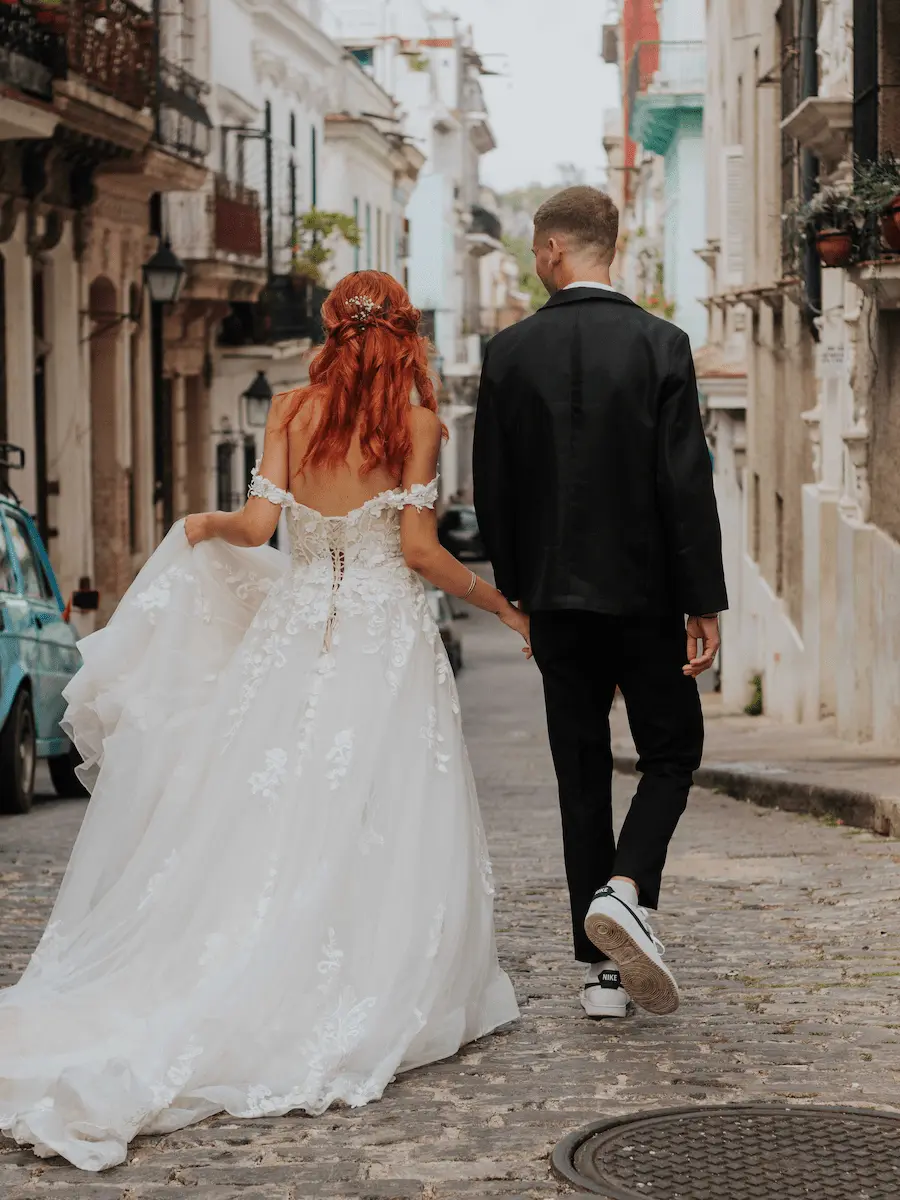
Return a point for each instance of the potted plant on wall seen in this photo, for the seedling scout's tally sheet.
(831, 220)
(878, 187)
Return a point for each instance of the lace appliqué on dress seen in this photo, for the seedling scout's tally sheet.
(266, 490)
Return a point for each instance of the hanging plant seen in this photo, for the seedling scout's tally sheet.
(314, 238)
(832, 220)
(877, 184)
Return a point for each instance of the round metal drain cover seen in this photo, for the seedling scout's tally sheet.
(738, 1152)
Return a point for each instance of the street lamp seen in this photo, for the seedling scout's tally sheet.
(258, 399)
(164, 275)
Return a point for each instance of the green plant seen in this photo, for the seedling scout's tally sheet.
(657, 302)
(528, 280)
(313, 241)
(830, 209)
(877, 183)
(417, 62)
(755, 707)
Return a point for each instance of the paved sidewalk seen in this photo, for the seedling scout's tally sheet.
(784, 932)
(798, 768)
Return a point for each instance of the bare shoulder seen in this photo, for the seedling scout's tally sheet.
(305, 403)
(424, 427)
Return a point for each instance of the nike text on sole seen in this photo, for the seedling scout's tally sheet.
(648, 983)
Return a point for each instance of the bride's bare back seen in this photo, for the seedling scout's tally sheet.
(332, 491)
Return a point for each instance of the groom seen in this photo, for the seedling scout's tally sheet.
(593, 487)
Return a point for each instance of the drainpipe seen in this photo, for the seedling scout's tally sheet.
(809, 164)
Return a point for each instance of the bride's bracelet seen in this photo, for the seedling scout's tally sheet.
(471, 588)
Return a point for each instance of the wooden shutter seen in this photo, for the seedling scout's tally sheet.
(733, 215)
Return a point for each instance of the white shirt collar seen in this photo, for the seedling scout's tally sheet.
(589, 283)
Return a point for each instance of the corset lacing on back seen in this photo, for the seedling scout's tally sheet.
(366, 540)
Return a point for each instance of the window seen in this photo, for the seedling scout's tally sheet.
(364, 55)
(754, 517)
(224, 460)
(33, 577)
(7, 572)
(789, 42)
(779, 545)
(314, 165)
(356, 219)
(293, 129)
(865, 79)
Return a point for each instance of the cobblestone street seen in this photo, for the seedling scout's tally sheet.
(783, 931)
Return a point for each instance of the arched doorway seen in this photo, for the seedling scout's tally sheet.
(109, 477)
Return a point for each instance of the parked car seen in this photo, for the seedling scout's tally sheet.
(441, 610)
(459, 533)
(38, 655)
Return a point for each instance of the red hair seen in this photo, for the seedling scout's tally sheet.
(372, 359)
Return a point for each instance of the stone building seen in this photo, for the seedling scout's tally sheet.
(800, 367)
(95, 120)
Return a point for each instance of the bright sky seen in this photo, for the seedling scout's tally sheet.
(550, 108)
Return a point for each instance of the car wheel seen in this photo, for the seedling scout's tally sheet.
(18, 757)
(62, 772)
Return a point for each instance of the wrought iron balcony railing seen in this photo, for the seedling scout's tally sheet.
(237, 219)
(32, 48)
(486, 223)
(112, 44)
(289, 309)
(183, 125)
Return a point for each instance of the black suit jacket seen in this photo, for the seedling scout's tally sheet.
(593, 480)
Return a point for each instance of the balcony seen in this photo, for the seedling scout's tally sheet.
(183, 125)
(289, 309)
(32, 50)
(111, 44)
(666, 80)
(485, 233)
(237, 219)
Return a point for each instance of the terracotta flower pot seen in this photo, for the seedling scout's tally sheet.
(835, 247)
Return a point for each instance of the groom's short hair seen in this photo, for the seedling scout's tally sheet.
(584, 214)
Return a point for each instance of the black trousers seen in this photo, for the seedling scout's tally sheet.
(583, 657)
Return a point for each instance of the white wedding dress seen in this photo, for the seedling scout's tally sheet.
(281, 894)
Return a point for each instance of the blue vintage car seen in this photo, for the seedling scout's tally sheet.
(38, 655)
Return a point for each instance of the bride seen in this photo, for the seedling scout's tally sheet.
(281, 894)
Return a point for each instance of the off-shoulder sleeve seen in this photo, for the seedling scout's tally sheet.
(421, 495)
(266, 490)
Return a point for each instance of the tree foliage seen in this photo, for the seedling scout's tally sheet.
(315, 233)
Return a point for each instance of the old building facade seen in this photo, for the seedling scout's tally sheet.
(800, 365)
(95, 120)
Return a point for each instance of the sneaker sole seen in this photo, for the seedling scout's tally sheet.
(645, 981)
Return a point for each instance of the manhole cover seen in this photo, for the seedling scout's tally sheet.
(738, 1152)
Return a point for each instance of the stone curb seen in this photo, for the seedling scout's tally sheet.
(792, 793)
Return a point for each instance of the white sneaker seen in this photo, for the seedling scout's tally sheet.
(623, 934)
(603, 994)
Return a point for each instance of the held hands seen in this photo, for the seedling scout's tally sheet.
(705, 630)
(513, 618)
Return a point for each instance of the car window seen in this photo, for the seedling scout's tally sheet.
(33, 576)
(7, 571)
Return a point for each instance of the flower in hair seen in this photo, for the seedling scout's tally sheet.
(364, 309)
